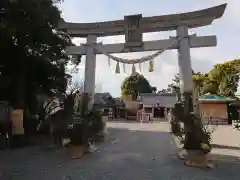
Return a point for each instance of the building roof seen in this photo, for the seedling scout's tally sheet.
(119, 102)
(236, 103)
(214, 98)
(238, 93)
(157, 94)
(105, 100)
(152, 99)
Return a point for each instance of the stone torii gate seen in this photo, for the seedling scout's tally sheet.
(133, 27)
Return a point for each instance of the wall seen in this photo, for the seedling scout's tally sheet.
(218, 112)
(132, 106)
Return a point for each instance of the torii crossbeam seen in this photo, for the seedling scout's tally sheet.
(133, 27)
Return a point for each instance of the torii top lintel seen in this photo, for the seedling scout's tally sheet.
(147, 24)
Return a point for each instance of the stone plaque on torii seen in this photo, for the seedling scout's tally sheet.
(133, 34)
(133, 27)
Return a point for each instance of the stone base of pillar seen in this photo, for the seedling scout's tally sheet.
(196, 158)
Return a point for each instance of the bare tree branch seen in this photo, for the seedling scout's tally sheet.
(79, 86)
(98, 87)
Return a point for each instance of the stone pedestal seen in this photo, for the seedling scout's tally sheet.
(102, 135)
(76, 151)
(196, 158)
(105, 119)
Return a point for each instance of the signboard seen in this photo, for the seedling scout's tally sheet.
(17, 119)
(133, 34)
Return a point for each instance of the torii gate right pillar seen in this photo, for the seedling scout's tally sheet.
(185, 68)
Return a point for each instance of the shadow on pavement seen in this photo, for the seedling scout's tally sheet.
(125, 155)
(218, 146)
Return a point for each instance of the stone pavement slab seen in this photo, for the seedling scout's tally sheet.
(132, 151)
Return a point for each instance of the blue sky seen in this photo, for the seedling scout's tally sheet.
(227, 30)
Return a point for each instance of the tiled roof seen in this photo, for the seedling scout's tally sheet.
(238, 93)
(103, 99)
(157, 94)
(106, 100)
(151, 99)
(118, 101)
(214, 98)
(236, 103)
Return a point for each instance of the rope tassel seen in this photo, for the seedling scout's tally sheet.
(150, 66)
(124, 68)
(117, 71)
(133, 69)
(109, 62)
(140, 67)
(100, 48)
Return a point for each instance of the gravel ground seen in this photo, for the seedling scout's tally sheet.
(133, 151)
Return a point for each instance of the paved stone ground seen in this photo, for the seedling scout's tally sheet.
(133, 151)
(227, 138)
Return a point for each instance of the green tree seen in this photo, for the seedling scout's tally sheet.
(31, 48)
(133, 85)
(224, 78)
(154, 89)
(174, 86)
(198, 81)
(210, 86)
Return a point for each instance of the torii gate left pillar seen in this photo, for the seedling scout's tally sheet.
(185, 67)
(90, 66)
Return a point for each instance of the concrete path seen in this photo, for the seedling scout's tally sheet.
(133, 151)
